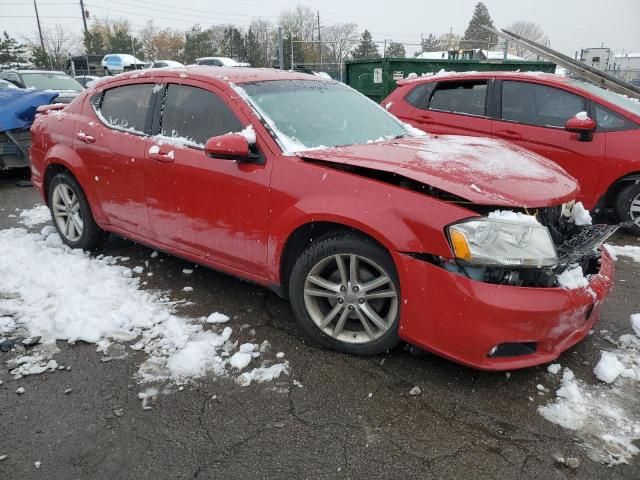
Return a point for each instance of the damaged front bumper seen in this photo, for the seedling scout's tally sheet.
(496, 326)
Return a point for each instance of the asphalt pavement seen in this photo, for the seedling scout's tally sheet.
(352, 417)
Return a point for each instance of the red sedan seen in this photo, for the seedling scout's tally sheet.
(375, 231)
(592, 133)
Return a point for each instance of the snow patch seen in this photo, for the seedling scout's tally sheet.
(250, 134)
(573, 278)
(514, 217)
(580, 215)
(629, 251)
(582, 116)
(35, 216)
(608, 368)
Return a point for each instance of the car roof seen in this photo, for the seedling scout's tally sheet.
(34, 71)
(549, 77)
(219, 74)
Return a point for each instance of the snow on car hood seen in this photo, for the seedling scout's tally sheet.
(481, 170)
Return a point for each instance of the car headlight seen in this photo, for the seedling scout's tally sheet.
(494, 242)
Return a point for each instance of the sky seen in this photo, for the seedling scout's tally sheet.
(570, 24)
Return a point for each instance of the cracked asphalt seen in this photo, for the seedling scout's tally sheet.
(352, 417)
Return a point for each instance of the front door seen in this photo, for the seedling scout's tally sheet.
(533, 116)
(210, 207)
(110, 137)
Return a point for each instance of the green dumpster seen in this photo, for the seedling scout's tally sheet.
(376, 78)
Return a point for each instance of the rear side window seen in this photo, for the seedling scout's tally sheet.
(417, 95)
(126, 107)
(539, 105)
(466, 97)
(195, 115)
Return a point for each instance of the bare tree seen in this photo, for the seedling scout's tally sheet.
(299, 21)
(59, 43)
(529, 30)
(341, 38)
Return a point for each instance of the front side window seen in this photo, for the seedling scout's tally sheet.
(126, 107)
(610, 121)
(304, 114)
(195, 115)
(539, 105)
(467, 97)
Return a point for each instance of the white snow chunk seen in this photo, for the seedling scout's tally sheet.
(20, 390)
(415, 391)
(608, 368)
(147, 397)
(154, 149)
(263, 374)
(35, 216)
(296, 383)
(187, 271)
(573, 278)
(154, 254)
(388, 105)
(240, 360)
(37, 464)
(554, 368)
(187, 289)
(581, 215)
(514, 217)
(216, 317)
(630, 251)
(250, 134)
(582, 116)
(280, 355)
(635, 324)
(138, 269)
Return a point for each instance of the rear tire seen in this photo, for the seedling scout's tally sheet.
(71, 213)
(628, 207)
(351, 310)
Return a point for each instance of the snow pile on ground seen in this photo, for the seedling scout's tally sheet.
(581, 215)
(605, 416)
(514, 217)
(52, 291)
(630, 251)
(35, 216)
(573, 278)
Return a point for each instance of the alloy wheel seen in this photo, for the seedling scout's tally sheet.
(66, 211)
(351, 298)
(634, 210)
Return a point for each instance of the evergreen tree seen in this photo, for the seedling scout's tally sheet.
(395, 50)
(366, 48)
(298, 52)
(252, 47)
(94, 42)
(11, 51)
(40, 58)
(121, 40)
(475, 36)
(197, 44)
(430, 44)
(233, 44)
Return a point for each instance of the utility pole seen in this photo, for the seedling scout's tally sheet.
(384, 50)
(44, 52)
(319, 40)
(291, 37)
(84, 16)
(280, 48)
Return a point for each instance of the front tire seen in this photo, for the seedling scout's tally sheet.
(71, 213)
(345, 294)
(628, 207)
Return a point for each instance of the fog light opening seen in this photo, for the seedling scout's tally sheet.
(513, 349)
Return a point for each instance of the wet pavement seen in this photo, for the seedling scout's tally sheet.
(351, 417)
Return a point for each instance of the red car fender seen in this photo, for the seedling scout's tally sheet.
(64, 155)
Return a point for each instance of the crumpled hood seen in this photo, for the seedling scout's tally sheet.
(481, 170)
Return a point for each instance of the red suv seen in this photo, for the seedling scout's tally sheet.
(592, 133)
(374, 231)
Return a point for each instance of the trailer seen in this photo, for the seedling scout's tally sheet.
(376, 78)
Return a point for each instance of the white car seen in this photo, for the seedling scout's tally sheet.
(166, 64)
(220, 62)
(119, 62)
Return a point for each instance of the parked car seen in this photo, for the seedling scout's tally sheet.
(120, 62)
(7, 84)
(166, 63)
(373, 230)
(220, 62)
(66, 87)
(85, 80)
(17, 110)
(542, 113)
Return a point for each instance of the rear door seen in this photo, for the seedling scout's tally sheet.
(110, 138)
(210, 207)
(455, 107)
(533, 115)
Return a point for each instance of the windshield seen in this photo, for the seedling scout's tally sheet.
(50, 81)
(618, 100)
(310, 113)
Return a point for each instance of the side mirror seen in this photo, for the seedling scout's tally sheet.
(582, 125)
(231, 146)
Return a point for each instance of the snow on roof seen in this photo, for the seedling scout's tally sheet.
(498, 55)
(441, 55)
(627, 55)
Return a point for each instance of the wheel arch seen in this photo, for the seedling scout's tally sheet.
(609, 198)
(302, 236)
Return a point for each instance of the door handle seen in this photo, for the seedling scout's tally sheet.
(162, 157)
(83, 137)
(508, 134)
(424, 118)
